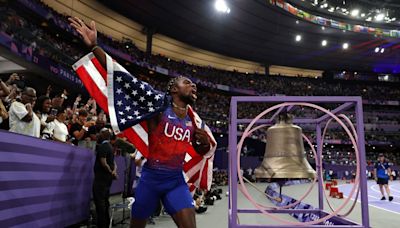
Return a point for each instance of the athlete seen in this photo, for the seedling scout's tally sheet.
(170, 135)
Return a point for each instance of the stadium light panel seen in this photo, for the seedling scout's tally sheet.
(221, 6)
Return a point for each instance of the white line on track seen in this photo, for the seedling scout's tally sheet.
(378, 191)
(393, 190)
(371, 205)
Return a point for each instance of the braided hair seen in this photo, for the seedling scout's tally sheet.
(172, 82)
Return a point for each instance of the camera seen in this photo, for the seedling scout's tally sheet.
(53, 112)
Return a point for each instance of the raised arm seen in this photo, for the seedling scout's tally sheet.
(89, 37)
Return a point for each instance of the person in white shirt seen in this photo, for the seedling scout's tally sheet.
(22, 119)
(60, 130)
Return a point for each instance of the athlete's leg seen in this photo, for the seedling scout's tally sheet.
(138, 223)
(185, 218)
(179, 203)
(146, 202)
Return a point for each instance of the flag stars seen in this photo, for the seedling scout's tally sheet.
(157, 97)
(134, 99)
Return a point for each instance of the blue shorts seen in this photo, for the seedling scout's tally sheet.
(154, 185)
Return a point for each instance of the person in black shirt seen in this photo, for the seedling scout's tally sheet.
(105, 170)
(79, 130)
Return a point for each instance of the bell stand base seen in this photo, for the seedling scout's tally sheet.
(346, 104)
(319, 213)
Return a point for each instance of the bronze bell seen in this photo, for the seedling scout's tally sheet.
(284, 153)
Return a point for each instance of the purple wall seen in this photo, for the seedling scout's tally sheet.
(43, 183)
(221, 160)
(118, 185)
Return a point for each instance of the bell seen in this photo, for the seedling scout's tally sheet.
(284, 153)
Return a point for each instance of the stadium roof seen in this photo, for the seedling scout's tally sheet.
(258, 31)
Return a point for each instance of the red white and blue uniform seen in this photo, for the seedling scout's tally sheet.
(162, 177)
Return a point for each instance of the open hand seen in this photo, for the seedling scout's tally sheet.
(89, 34)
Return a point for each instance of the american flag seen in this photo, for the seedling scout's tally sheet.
(129, 102)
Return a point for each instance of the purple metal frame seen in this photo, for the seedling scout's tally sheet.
(347, 103)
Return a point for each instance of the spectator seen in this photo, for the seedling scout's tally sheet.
(60, 132)
(22, 118)
(16, 81)
(79, 130)
(100, 124)
(42, 110)
(3, 112)
(58, 100)
(4, 89)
